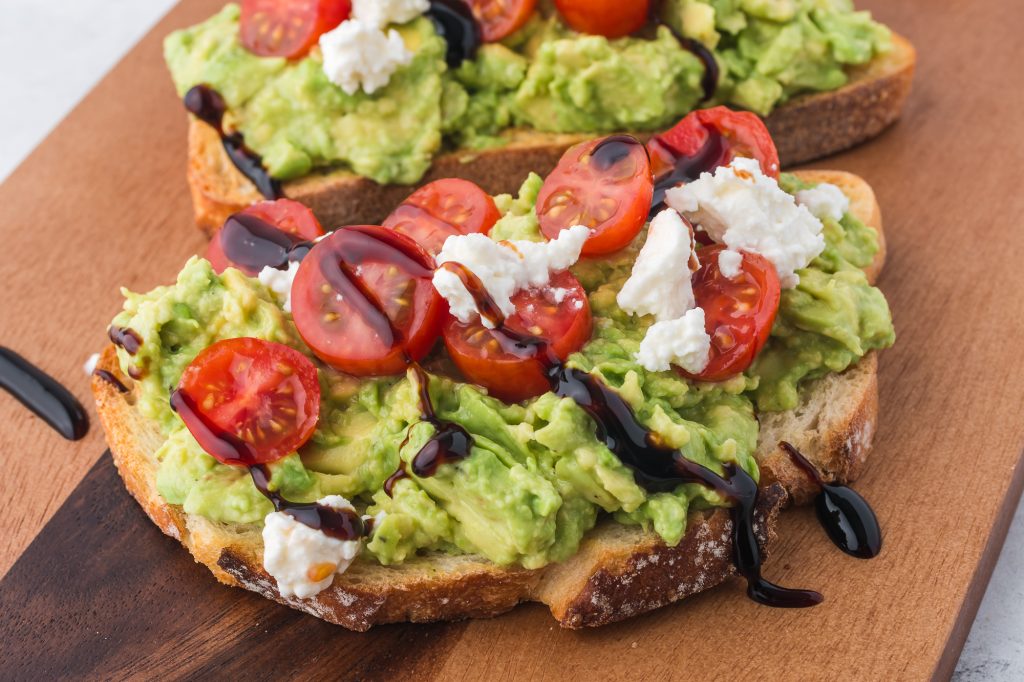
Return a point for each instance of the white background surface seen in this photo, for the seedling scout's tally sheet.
(72, 43)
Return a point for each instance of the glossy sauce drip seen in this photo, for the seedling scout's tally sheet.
(400, 473)
(709, 82)
(208, 106)
(687, 168)
(847, 518)
(454, 22)
(110, 379)
(126, 338)
(43, 395)
(254, 244)
(343, 524)
(611, 150)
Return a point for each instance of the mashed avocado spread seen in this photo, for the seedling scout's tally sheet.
(544, 76)
(537, 478)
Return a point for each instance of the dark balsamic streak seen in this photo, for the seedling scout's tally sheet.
(252, 244)
(208, 106)
(43, 395)
(110, 379)
(685, 168)
(126, 338)
(709, 82)
(454, 22)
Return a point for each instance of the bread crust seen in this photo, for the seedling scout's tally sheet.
(807, 127)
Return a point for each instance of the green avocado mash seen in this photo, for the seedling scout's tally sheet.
(537, 478)
(545, 76)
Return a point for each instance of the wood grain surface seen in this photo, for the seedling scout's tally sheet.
(103, 203)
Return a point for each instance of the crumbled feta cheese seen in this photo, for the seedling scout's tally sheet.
(503, 267)
(746, 210)
(682, 342)
(380, 13)
(824, 201)
(304, 561)
(559, 294)
(358, 54)
(90, 365)
(729, 262)
(280, 282)
(659, 284)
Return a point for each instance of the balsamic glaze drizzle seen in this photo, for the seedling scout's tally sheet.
(252, 244)
(110, 379)
(685, 168)
(847, 518)
(43, 395)
(454, 22)
(126, 338)
(208, 106)
(709, 82)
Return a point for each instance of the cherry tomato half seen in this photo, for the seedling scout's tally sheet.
(738, 312)
(364, 302)
(288, 28)
(499, 18)
(263, 395)
(558, 314)
(605, 184)
(441, 209)
(250, 245)
(608, 18)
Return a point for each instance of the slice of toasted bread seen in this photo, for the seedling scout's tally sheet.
(619, 570)
(808, 127)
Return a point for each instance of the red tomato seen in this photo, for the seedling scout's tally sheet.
(364, 302)
(499, 18)
(249, 401)
(255, 245)
(487, 358)
(442, 208)
(605, 184)
(740, 133)
(288, 28)
(738, 312)
(608, 18)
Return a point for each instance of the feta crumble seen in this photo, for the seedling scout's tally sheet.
(824, 201)
(659, 283)
(729, 262)
(746, 210)
(280, 282)
(682, 342)
(358, 54)
(304, 561)
(380, 13)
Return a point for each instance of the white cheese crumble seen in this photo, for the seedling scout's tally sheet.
(503, 267)
(729, 262)
(358, 54)
(280, 282)
(682, 342)
(304, 561)
(746, 210)
(659, 284)
(824, 201)
(380, 13)
(90, 364)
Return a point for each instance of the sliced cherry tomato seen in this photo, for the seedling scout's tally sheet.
(605, 184)
(608, 18)
(709, 138)
(441, 209)
(261, 397)
(499, 18)
(363, 300)
(288, 28)
(558, 314)
(250, 245)
(738, 312)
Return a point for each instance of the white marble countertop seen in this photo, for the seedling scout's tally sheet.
(73, 43)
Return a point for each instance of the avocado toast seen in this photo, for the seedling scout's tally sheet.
(544, 494)
(513, 106)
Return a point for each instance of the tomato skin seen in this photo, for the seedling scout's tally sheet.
(608, 18)
(737, 321)
(290, 217)
(288, 28)
(441, 209)
(364, 302)
(565, 327)
(262, 396)
(604, 184)
(743, 134)
(499, 18)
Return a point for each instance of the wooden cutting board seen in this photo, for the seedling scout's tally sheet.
(92, 588)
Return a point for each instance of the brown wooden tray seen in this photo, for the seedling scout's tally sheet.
(96, 590)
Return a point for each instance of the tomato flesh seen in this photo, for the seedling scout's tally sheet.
(738, 312)
(441, 209)
(557, 314)
(262, 396)
(604, 184)
(254, 245)
(288, 28)
(608, 18)
(499, 18)
(364, 302)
